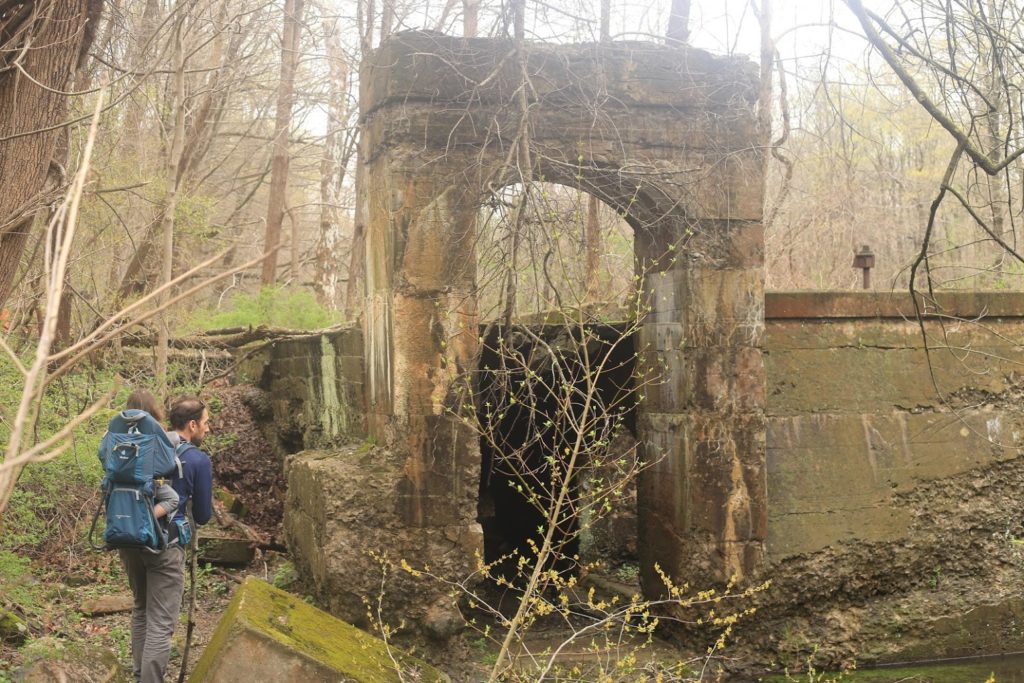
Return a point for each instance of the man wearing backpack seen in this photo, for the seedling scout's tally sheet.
(157, 580)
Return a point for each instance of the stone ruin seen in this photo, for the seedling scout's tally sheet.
(668, 138)
(814, 449)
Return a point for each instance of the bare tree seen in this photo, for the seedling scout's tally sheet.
(41, 44)
(290, 53)
(339, 145)
(170, 209)
(679, 21)
(963, 65)
(470, 17)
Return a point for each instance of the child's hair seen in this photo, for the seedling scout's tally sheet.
(140, 399)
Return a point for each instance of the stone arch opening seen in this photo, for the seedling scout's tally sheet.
(567, 259)
(568, 250)
(665, 136)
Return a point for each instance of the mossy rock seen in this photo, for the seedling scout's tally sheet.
(232, 503)
(53, 660)
(12, 627)
(267, 634)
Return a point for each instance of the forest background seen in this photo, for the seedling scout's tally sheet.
(202, 139)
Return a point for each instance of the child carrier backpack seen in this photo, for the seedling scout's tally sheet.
(134, 451)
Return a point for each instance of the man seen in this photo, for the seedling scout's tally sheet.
(157, 580)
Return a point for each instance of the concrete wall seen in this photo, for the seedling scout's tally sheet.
(893, 516)
(315, 388)
(855, 420)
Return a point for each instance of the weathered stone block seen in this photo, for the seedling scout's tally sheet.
(217, 547)
(856, 380)
(952, 305)
(704, 479)
(343, 504)
(107, 604)
(420, 66)
(663, 383)
(566, 134)
(232, 503)
(714, 307)
(269, 635)
(348, 342)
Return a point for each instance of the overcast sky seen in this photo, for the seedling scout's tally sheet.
(805, 29)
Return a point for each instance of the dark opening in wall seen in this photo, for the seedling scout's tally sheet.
(549, 397)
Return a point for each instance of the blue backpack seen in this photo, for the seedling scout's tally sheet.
(134, 451)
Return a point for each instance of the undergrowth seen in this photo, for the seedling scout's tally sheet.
(287, 307)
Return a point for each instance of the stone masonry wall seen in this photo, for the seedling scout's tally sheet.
(892, 517)
(855, 422)
(315, 388)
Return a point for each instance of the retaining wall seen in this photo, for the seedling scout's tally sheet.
(855, 421)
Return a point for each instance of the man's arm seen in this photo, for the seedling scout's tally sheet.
(202, 491)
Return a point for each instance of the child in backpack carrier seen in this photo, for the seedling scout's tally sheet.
(165, 498)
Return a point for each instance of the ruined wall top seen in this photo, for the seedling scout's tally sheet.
(433, 67)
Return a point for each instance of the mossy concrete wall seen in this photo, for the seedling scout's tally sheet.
(315, 387)
(857, 419)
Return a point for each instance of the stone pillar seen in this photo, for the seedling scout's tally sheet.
(422, 334)
(702, 499)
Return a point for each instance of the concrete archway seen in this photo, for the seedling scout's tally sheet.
(668, 137)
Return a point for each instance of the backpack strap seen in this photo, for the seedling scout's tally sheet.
(179, 451)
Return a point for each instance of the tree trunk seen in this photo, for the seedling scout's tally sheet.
(56, 36)
(470, 17)
(327, 274)
(364, 22)
(993, 136)
(282, 128)
(764, 100)
(170, 207)
(387, 18)
(679, 21)
(12, 244)
(592, 241)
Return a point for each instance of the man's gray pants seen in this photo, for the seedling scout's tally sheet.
(157, 581)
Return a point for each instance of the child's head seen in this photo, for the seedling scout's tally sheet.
(140, 399)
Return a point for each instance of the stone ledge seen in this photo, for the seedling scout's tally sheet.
(434, 67)
(781, 305)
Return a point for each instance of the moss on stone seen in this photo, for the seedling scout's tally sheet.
(308, 632)
(333, 418)
(12, 628)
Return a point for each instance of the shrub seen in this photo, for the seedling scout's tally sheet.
(288, 307)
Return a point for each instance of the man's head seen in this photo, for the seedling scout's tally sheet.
(190, 418)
